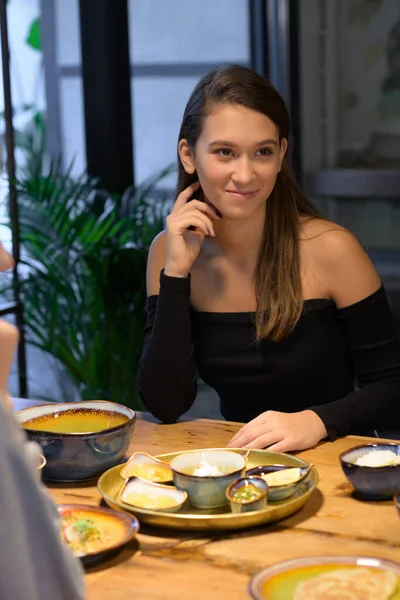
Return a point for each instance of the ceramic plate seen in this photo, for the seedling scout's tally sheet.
(280, 581)
(117, 528)
(110, 485)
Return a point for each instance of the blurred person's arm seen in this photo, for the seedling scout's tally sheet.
(34, 563)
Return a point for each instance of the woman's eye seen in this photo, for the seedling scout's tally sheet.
(224, 152)
(264, 152)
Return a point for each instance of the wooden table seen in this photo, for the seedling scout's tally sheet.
(166, 564)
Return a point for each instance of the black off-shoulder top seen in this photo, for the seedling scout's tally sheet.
(342, 363)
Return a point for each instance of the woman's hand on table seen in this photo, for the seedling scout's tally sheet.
(281, 432)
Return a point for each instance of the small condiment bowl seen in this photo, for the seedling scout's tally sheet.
(372, 483)
(280, 492)
(243, 486)
(207, 491)
(146, 495)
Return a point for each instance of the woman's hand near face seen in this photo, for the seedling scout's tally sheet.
(281, 432)
(183, 245)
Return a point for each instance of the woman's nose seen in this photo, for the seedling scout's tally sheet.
(243, 173)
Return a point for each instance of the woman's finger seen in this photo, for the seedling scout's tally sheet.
(186, 219)
(265, 440)
(260, 420)
(247, 434)
(180, 224)
(202, 207)
(282, 446)
(185, 195)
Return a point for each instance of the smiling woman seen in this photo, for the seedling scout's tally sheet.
(273, 306)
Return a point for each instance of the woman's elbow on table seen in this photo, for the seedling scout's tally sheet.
(166, 402)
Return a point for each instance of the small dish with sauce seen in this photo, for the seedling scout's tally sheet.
(147, 467)
(152, 496)
(247, 494)
(94, 534)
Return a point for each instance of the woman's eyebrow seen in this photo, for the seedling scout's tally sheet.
(227, 143)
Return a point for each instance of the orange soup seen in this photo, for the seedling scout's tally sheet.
(78, 420)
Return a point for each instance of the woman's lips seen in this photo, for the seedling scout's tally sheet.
(242, 195)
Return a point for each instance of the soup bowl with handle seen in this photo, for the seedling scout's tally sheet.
(73, 456)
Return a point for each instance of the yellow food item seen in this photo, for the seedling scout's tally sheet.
(85, 532)
(349, 584)
(283, 477)
(148, 471)
(76, 420)
(150, 501)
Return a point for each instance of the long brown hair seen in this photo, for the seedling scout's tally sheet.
(278, 281)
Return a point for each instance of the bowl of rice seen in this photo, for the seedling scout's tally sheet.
(373, 470)
(206, 474)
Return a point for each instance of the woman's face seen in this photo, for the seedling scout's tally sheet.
(237, 158)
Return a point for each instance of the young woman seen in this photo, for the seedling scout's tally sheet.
(274, 307)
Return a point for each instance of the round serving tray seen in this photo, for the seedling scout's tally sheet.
(110, 485)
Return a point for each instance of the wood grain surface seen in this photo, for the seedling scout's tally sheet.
(166, 565)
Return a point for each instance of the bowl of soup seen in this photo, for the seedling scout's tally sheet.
(79, 440)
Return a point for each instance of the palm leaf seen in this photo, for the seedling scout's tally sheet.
(83, 283)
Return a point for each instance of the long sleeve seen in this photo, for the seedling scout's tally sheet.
(167, 377)
(375, 350)
(34, 563)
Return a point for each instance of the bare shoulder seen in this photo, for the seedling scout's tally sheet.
(156, 262)
(342, 262)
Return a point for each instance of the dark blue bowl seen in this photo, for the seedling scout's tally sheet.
(372, 483)
(73, 457)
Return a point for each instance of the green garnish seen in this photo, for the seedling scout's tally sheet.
(86, 530)
(247, 493)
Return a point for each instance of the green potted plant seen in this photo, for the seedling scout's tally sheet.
(83, 281)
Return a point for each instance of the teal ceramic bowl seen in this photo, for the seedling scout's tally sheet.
(73, 457)
(206, 474)
(280, 492)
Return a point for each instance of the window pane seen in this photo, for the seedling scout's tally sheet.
(68, 41)
(182, 31)
(158, 105)
(72, 123)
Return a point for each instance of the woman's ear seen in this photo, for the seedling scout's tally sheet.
(186, 156)
(282, 151)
